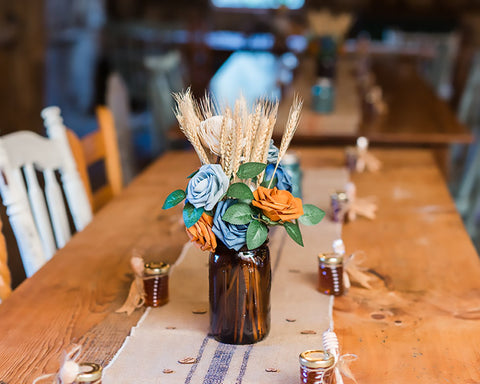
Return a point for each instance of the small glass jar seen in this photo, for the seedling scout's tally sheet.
(330, 273)
(323, 96)
(338, 205)
(89, 373)
(316, 367)
(351, 158)
(155, 283)
(291, 165)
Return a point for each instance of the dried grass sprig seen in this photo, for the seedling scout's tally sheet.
(188, 115)
(227, 143)
(290, 128)
(240, 120)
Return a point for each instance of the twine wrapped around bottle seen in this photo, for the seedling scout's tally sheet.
(136, 294)
(359, 207)
(70, 370)
(342, 362)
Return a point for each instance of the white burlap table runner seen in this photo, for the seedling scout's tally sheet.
(173, 332)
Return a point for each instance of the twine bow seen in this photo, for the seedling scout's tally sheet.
(342, 362)
(69, 369)
(359, 207)
(136, 294)
(353, 271)
(365, 160)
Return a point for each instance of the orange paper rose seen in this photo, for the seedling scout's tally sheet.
(201, 233)
(278, 204)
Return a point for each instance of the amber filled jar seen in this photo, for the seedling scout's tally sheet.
(338, 206)
(89, 373)
(316, 367)
(155, 283)
(330, 273)
(239, 293)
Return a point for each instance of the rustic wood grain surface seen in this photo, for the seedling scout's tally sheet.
(418, 323)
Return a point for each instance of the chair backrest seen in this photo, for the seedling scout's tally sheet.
(31, 211)
(101, 145)
(5, 279)
(165, 77)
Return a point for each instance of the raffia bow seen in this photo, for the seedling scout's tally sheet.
(355, 272)
(69, 369)
(136, 294)
(342, 362)
(359, 207)
(365, 160)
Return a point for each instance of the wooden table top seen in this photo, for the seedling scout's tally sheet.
(413, 326)
(416, 116)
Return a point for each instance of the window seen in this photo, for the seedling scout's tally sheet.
(258, 4)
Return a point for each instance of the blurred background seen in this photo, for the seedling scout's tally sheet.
(132, 54)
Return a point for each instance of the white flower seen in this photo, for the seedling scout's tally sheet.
(210, 132)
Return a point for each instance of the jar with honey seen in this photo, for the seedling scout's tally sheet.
(330, 273)
(155, 283)
(316, 367)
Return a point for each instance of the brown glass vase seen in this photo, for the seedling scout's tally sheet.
(240, 283)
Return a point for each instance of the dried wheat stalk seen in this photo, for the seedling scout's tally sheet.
(290, 128)
(227, 143)
(187, 114)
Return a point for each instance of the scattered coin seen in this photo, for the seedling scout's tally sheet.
(291, 320)
(308, 332)
(199, 311)
(271, 370)
(170, 327)
(188, 360)
(168, 371)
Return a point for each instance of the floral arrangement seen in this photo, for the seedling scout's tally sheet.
(241, 188)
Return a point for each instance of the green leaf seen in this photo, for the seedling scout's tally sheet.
(266, 183)
(192, 174)
(256, 234)
(269, 221)
(311, 215)
(249, 170)
(238, 214)
(294, 232)
(191, 214)
(240, 191)
(174, 198)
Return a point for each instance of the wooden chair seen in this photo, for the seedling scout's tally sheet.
(100, 145)
(165, 77)
(31, 211)
(5, 279)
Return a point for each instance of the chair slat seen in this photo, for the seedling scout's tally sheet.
(56, 208)
(39, 210)
(93, 147)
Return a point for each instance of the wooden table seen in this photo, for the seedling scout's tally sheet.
(411, 327)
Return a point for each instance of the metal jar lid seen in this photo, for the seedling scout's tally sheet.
(340, 196)
(316, 358)
(331, 258)
(154, 269)
(89, 372)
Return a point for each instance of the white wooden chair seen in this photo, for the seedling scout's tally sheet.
(21, 154)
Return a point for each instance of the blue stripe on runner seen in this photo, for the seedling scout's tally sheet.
(220, 363)
(243, 368)
(199, 357)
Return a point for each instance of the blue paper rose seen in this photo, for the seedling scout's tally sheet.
(284, 180)
(233, 236)
(207, 187)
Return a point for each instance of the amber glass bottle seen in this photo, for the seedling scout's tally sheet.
(155, 283)
(239, 294)
(316, 367)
